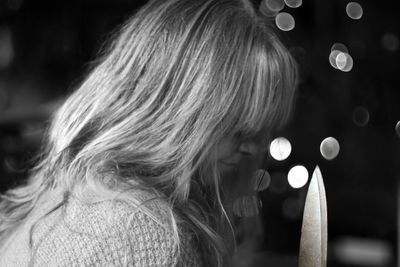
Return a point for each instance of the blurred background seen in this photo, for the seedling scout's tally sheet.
(349, 90)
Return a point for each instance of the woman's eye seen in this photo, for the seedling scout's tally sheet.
(240, 135)
(245, 136)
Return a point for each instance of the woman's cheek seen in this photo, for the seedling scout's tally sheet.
(226, 149)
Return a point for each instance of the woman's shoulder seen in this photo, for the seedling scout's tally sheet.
(109, 232)
(114, 215)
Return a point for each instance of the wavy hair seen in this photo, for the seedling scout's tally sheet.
(175, 79)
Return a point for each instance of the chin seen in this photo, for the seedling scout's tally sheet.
(225, 168)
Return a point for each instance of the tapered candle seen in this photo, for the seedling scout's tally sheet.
(314, 231)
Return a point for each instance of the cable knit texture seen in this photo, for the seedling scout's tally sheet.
(108, 233)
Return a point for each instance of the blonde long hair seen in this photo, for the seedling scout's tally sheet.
(177, 78)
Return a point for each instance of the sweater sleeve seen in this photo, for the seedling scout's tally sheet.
(150, 243)
(133, 239)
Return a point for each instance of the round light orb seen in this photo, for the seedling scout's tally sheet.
(397, 128)
(340, 47)
(341, 60)
(262, 180)
(332, 58)
(329, 148)
(360, 116)
(274, 5)
(294, 3)
(349, 63)
(246, 206)
(354, 10)
(297, 176)
(280, 148)
(390, 42)
(284, 21)
(266, 10)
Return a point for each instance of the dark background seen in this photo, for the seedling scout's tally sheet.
(46, 48)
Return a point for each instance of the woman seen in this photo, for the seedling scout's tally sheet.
(137, 165)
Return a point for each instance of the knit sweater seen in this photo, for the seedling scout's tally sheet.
(108, 233)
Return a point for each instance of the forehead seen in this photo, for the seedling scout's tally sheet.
(265, 132)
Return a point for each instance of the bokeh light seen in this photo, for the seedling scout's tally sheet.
(274, 5)
(341, 60)
(294, 3)
(297, 176)
(360, 116)
(291, 208)
(354, 10)
(6, 48)
(262, 180)
(398, 128)
(271, 8)
(349, 63)
(329, 148)
(246, 206)
(280, 148)
(390, 42)
(363, 251)
(284, 21)
(332, 58)
(340, 47)
(344, 62)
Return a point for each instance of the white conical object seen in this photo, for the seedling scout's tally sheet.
(314, 231)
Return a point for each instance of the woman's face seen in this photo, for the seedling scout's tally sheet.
(234, 151)
(237, 160)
